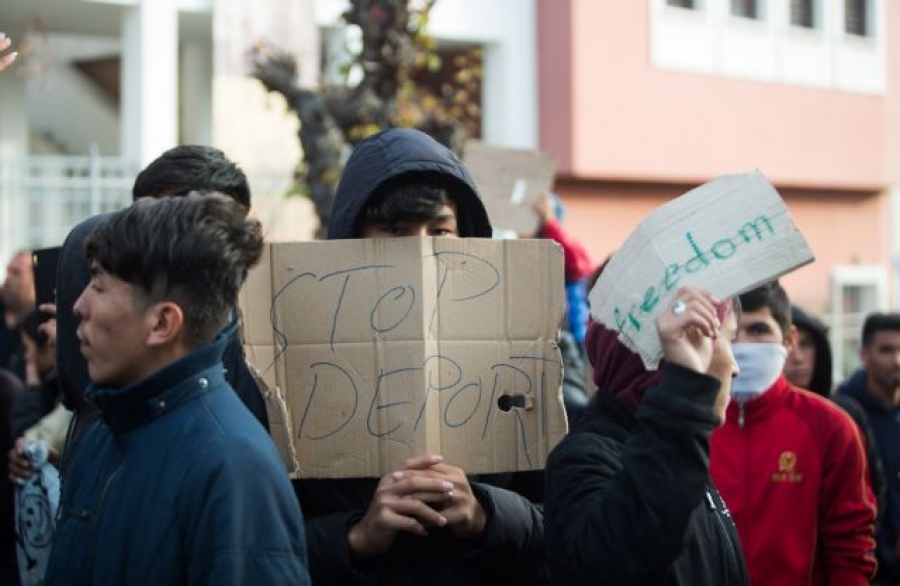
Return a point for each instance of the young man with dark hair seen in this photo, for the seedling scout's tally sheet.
(875, 388)
(177, 171)
(426, 524)
(178, 484)
(790, 463)
(192, 168)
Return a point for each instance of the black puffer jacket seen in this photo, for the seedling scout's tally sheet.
(629, 499)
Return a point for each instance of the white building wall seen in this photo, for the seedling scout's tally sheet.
(709, 39)
(66, 106)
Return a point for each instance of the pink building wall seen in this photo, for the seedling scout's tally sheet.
(629, 136)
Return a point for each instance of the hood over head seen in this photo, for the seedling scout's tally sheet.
(617, 370)
(821, 379)
(72, 276)
(404, 152)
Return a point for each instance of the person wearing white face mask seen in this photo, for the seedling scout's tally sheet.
(790, 464)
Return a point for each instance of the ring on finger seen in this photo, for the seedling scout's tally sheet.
(679, 307)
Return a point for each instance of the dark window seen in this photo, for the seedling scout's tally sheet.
(692, 4)
(803, 13)
(856, 17)
(745, 8)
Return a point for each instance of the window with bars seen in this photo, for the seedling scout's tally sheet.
(856, 17)
(803, 13)
(745, 8)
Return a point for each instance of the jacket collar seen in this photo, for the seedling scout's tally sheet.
(857, 386)
(126, 408)
(761, 406)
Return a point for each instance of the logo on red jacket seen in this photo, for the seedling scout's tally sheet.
(787, 468)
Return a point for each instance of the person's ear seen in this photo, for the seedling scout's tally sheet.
(792, 339)
(166, 323)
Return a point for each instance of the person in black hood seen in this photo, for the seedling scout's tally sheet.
(402, 156)
(808, 365)
(426, 524)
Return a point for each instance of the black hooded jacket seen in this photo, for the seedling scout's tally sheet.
(821, 378)
(629, 499)
(510, 550)
(401, 152)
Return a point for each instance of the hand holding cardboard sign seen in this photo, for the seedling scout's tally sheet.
(465, 515)
(688, 329)
(403, 501)
(726, 236)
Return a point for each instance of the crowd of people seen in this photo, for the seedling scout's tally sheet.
(733, 463)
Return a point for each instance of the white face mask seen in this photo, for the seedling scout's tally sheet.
(760, 365)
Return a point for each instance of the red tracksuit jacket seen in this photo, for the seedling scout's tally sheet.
(792, 470)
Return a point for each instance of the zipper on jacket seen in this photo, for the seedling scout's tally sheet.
(741, 415)
(64, 465)
(99, 511)
(726, 535)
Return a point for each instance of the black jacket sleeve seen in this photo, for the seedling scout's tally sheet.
(330, 560)
(619, 502)
(509, 551)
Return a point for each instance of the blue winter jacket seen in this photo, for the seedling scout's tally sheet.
(178, 484)
(884, 420)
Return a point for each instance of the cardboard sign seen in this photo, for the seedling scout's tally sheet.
(510, 181)
(726, 237)
(376, 350)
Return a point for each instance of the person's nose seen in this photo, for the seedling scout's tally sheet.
(80, 307)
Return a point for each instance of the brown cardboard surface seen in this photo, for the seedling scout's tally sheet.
(727, 236)
(510, 181)
(376, 350)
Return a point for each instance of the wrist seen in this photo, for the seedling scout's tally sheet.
(356, 541)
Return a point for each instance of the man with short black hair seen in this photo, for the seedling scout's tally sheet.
(790, 464)
(875, 388)
(178, 484)
(192, 167)
(177, 171)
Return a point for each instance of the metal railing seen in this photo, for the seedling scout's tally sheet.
(43, 197)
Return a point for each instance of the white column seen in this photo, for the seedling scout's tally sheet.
(149, 80)
(196, 93)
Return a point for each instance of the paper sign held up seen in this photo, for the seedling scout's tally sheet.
(510, 181)
(372, 351)
(726, 236)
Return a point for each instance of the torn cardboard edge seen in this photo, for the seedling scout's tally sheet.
(726, 237)
(513, 327)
